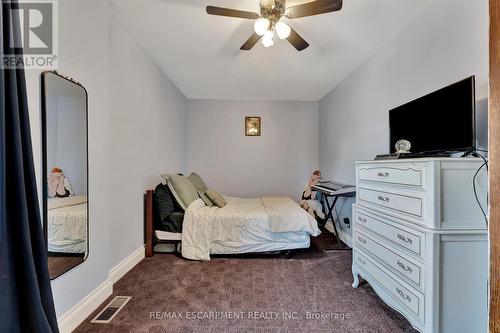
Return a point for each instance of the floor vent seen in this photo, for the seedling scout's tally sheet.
(111, 310)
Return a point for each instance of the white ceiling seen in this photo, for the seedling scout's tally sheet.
(200, 52)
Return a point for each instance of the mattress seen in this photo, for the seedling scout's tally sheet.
(242, 226)
(256, 237)
(252, 239)
(67, 225)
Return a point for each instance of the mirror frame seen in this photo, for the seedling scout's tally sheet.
(43, 115)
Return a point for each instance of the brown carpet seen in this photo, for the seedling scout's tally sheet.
(182, 293)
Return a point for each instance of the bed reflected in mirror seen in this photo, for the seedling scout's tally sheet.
(65, 165)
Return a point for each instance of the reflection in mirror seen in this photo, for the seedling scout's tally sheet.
(64, 113)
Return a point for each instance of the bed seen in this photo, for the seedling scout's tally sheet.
(264, 224)
(67, 225)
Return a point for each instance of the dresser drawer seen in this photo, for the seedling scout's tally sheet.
(412, 272)
(403, 175)
(413, 241)
(397, 202)
(411, 300)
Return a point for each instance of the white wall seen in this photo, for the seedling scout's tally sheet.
(137, 135)
(446, 42)
(277, 163)
(148, 130)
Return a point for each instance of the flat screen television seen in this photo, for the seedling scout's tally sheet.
(442, 121)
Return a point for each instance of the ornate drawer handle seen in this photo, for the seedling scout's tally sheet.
(403, 295)
(361, 219)
(384, 199)
(383, 174)
(405, 239)
(361, 261)
(405, 268)
(362, 240)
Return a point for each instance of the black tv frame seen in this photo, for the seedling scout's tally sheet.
(443, 152)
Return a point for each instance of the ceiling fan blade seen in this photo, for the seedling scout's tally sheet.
(232, 12)
(254, 39)
(313, 8)
(298, 42)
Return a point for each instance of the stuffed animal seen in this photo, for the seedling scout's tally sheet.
(309, 202)
(59, 186)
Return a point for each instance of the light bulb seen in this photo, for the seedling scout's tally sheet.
(283, 30)
(261, 25)
(268, 39)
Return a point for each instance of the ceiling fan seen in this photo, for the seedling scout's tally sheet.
(270, 20)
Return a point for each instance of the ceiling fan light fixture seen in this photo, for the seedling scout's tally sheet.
(283, 30)
(261, 26)
(268, 38)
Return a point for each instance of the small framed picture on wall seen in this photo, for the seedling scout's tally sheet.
(252, 126)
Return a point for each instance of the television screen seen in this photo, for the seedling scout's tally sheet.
(441, 121)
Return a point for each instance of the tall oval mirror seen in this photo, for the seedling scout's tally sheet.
(65, 172)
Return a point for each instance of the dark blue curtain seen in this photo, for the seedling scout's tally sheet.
(26, 303)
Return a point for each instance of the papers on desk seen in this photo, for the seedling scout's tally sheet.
(334, 188)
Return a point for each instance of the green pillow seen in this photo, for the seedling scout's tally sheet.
(182, 189)
(216, 198)
(205, 199)
(197, 182)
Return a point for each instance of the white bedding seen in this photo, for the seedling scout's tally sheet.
(242, 226)
(285, 215)
(67, 225)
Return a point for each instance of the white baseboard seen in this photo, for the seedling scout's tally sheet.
(126, 264)
(344, 236)
(78, 313)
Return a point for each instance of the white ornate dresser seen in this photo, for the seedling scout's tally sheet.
(420, 240)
